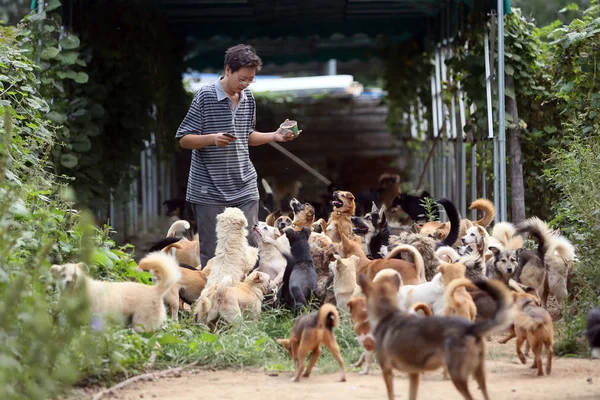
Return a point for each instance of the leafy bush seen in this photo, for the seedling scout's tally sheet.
(573, 168)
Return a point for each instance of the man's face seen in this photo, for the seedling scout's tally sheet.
(242, 78)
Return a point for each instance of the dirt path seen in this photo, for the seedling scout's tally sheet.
(506, 377)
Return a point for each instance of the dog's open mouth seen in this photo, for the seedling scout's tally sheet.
(337, 203)
(359, 230)
(296, 206)
(256, 231)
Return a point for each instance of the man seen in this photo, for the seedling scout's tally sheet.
(218, 128)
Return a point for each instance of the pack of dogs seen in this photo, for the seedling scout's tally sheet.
(421, 297)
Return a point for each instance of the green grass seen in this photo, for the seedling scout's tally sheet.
(247, 344)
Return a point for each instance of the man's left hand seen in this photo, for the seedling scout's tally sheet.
(280, 137)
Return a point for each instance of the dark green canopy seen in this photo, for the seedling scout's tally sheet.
(285, 31)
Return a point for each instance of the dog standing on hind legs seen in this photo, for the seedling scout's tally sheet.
(308, 334)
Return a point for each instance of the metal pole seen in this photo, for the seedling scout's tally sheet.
(431, 168)
(463, 153)
(501, 112)
(490, 117)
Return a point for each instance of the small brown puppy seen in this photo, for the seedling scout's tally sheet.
(308, 334)
(360, 321)
(341, 216)
(415, 344)
(534, 325)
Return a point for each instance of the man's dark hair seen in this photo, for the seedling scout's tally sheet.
(240, 56)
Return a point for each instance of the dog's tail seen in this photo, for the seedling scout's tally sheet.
(448, 252)
(328, 317)
(542, 233)
(453, 286)
(489, 211)
(454, 219)
(564, 247)
(417, 258)
(222, 286)
(162, 243)
(167, 269)
(420, 306)
(269, 201)
(503, 232)
(177, 226)
(528, 322)
(504, 313)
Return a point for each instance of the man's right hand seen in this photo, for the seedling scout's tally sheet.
(221, 140)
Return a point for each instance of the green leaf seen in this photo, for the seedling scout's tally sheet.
(52, 5)
(509, 70)
(49, 28)
(70, 42)
(82, 145)
(69, 57)
(208, 337)
(68, 160)
(567, 87)
(37, 17)
(510, 92)
(49, 53)
(57, 117)
(81, 77)
(569, 7)
(169, 339)
(550, 128)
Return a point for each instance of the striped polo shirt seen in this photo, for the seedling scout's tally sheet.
(221, 176)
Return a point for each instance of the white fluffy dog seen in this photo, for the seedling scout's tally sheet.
(142, 304)
(234, 257)
(272, 261)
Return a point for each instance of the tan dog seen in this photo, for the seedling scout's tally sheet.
(308, 334)
(534, 325)
(340, 219)
(358, 310)
(412, 274)
(415, 344)
(231, 300)
(185, 251)
(423, 307)
(344, 279)
(142, 304)
(458, 301)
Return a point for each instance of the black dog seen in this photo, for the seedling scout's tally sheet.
(300, 276)
(592, 331)
(413, 206)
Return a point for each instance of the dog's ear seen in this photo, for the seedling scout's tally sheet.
(83, 267)
(363, 282)
(416, 228)
(349, 304)
(55, 270)
(494, 250)
(349, 196)
(285, 343)
(374, 208)
(337, 257)
(442, 268)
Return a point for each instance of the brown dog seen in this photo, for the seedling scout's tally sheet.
(304, 215)
(458, 301)
(308, 334)
(415, 344)
(412, 274)
(360, 321)
(340, 219)
(534, 325)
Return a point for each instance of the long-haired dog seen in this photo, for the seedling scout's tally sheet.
(230, 301)
(414, 344)
(141, 305)
(592, 331)
(234, 257)
(360, 322)
(308, 334)
(547, 268)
